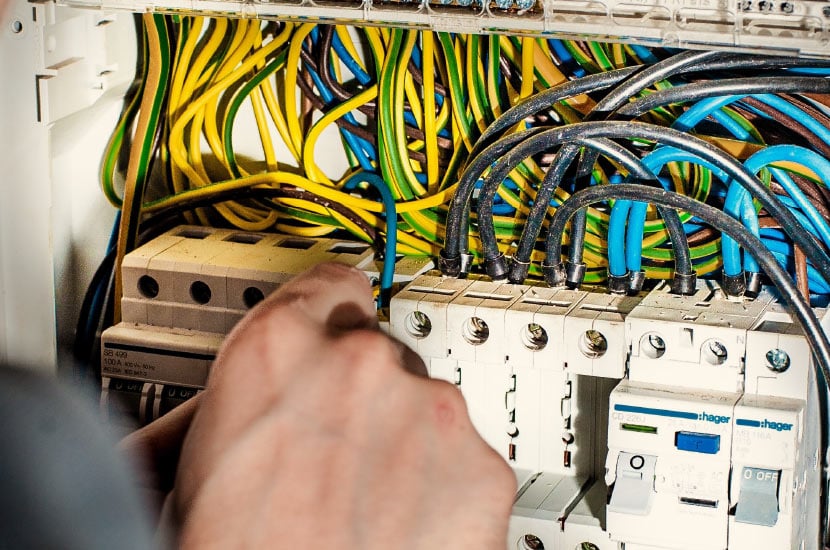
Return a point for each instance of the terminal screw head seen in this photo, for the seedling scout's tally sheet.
(778, 360)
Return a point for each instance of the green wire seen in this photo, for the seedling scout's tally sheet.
(236, 103)
(149, 138)
(116, 141)
(456, 90)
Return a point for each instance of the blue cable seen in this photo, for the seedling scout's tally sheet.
(817, 284)
(712, 106)
(616, 238)
(356, 144)
(416, 55)
(803, 221)
(500, 206)
(99, 297)
(811, 220)
(740, 206)
(786, 108)
(565, 57)
(616, 233)
(636, 211)
(391, 216)
(644, 54)
(634, 233)
(820, 71)
(687, 121)
(805, 157)
(737, 195)
(362, 76)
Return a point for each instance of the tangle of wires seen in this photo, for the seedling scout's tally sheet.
(406, 107)
(466, 147)
(446, 146)
(774, 126)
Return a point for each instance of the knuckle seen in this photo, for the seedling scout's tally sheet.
(448, 406)
(368, 351)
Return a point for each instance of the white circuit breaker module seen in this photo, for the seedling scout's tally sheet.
(185, 290)
(642, 422)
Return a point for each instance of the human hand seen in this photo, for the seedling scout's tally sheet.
(155, 448)
(315, 432)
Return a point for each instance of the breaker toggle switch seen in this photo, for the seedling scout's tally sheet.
(634, 485)
(758, 499)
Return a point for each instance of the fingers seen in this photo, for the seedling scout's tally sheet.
(159, 443)
(285, 335)
(411, 361)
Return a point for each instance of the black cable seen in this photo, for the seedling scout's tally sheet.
(84, 333)
(547, 98)
(682, 63)
(575, 267)
(661, 70)
(728, 86)
(456, 223)
(684, 278)
(694, 62)
(483, 155)
(502, 167)
(707, 152)
(738, 62)
(538, 210)
(494, 261)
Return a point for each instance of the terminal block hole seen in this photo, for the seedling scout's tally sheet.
(296, 243)
(251, 296)
(475, 331)
(148, 286)
(244, 238)
(531, 542)
(349, 248)
(714, 352)
(534, 337)
(593, 344)
(194, 233)
(200, 292)
(653, 345)
(418, 325)
(586, 546)
(778, 360)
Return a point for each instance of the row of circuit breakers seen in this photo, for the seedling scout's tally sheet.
(648, 421)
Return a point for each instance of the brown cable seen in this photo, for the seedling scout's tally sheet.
(776, 188)
(801, 280)
(302, 194)
(821, 99)
(790, 124)
(702, 236)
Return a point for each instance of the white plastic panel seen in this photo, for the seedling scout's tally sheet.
(793, 26)
(64, 73)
